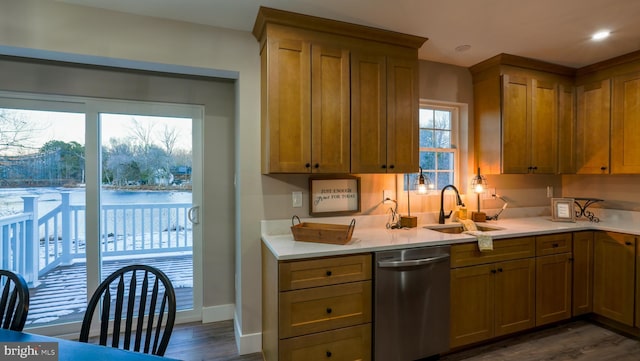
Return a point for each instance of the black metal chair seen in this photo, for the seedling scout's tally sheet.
(14, 301)
(132, 294)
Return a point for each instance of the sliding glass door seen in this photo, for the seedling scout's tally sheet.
(107, 183)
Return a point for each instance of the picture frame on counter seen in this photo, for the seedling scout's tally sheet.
(334, 196)
(562, 210)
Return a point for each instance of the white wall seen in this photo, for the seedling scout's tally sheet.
(50, 26)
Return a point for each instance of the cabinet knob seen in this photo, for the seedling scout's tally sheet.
(499, 269)
(603, 168)
(329, 310)
(384, 166)
(391, 166)
(316, 166)
(328, 353)
(555, 245)
(329, 273)
(493, 271)
(628, 243)
(308, 165)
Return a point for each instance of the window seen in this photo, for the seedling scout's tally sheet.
(439, 143)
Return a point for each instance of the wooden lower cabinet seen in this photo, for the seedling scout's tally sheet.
(491, 300)
(316, 309)
(614, 276)
(582, 299)
(553, 288)
(351, 343)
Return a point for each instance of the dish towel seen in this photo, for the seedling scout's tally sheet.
(485, 242)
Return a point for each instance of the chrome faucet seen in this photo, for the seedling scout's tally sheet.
(442, 217)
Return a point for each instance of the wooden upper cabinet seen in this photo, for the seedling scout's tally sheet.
(592, 127)
(517, 109)
(286, 75)
(368, 113)
(309, 80)
(625, 129)
(402, 115)
(566, 129)
(330, 107)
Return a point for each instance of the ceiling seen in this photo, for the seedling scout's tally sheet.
(557, 31)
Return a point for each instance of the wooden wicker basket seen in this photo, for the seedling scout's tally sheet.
(321, 232)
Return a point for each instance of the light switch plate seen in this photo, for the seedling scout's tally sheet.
(296, 198)
(387, 194)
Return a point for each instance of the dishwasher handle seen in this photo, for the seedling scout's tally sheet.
(413, 262)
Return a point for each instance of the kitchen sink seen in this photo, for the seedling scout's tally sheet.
(457, 228)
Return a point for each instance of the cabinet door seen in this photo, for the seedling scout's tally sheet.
(582, 273)
(368, 113)
(472, 304)
(402, 115)
(514, 296)
(544, 127)
(566, 129)
(592, 128)
(516, 140)
(330, 110)
(553, 288)
(287, 130)
(614, 276)
(625, 136)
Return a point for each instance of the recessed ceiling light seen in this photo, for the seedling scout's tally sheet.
(600, 35)
(462, 48)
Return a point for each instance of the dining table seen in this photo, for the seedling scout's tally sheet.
(46, 348)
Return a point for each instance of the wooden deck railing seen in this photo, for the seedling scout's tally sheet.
(33, 245)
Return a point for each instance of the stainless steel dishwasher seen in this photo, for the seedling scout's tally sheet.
(411, 303)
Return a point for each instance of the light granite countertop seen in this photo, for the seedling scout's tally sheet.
(371, 235)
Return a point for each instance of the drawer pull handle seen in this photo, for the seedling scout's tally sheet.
(499, 269)
(328, 353)
(493, 271)
(329, 273)
(329, 310)
(555, 245)
(627, 243)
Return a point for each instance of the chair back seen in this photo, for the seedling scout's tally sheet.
(14, 301)
(144, 299)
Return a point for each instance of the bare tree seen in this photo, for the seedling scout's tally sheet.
(143, 132)
(17, 132)
(169, 138)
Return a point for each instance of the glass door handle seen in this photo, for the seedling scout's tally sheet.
(194, 214)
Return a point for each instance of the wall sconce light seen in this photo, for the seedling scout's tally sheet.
(423, 186)
(479, 185)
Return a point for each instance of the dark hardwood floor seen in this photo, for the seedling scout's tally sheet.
(578, 340)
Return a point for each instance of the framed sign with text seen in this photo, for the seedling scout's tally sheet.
(562, 210)
(334, 196)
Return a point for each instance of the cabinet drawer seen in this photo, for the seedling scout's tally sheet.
(468, 254)
(553, 244)
(324, 308)
(345, 344)
(324, 271)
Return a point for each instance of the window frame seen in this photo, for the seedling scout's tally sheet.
(455, 111)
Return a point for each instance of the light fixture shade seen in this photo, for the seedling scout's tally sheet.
(423, 184)
(479, 183)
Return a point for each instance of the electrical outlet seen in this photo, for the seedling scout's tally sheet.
(387, 194)
(296, 198)
(549, 191)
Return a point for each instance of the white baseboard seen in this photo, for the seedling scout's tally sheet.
(249, 343)
(218, 313)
